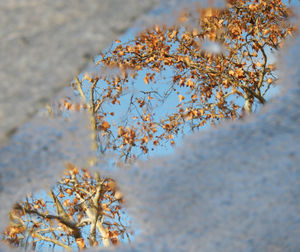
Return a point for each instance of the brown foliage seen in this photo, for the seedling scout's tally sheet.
(209, 85)
(80, 200)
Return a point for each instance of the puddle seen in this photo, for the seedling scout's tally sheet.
(143, 96)
(81, 211)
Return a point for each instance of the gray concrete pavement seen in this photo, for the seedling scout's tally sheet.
(46, 42)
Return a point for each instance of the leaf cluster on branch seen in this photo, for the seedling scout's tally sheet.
(208, 85)
(82, 211)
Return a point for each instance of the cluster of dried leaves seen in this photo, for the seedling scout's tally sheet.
(209, 85)
(199, 86)
(80, 211)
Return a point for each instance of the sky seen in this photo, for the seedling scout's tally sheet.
(164, 80)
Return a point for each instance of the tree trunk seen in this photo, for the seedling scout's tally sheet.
(92, 215)
(248, 103)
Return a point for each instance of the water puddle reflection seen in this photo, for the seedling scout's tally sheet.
(82, 210)
(143, 95)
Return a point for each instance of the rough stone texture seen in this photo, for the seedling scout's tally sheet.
(235, 189)
(46, 42)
